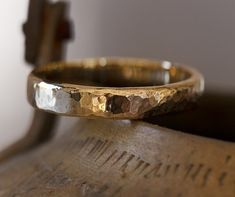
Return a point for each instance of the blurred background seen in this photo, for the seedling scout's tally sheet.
(198, 33)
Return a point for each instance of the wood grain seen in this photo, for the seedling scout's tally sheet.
(123, 158)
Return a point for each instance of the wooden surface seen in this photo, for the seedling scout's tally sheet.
(123, 158)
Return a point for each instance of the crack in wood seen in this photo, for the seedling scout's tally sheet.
(109, 158)
(119, 158)
(104, 150)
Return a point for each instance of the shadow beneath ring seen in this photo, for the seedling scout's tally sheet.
(214, 117)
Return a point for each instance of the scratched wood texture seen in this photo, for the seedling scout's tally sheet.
(123, 158)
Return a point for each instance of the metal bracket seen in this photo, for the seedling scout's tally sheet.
(46, 32)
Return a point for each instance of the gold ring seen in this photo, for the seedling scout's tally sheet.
(118, 88)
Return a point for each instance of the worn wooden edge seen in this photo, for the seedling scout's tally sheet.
(123, 158)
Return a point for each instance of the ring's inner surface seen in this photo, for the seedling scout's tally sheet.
(111, 74)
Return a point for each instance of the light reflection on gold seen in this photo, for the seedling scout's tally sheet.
(122, 88)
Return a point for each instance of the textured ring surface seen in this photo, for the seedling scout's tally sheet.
(121, 88)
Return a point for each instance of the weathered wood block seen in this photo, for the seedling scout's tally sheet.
(132, 158)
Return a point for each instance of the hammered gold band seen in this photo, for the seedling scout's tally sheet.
(118, 88)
